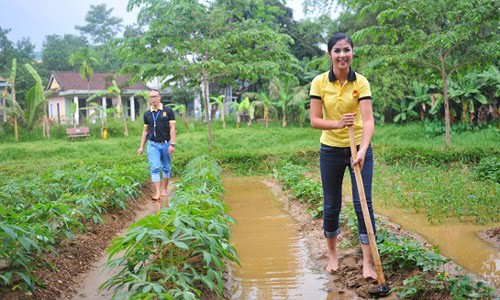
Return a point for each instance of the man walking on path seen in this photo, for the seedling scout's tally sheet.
(159, 131)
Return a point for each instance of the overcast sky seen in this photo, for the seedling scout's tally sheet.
(35, 19)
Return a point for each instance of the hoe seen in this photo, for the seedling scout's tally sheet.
(382, 289)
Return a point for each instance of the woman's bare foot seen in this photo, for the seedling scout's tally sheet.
(333, 263)
(369, 272)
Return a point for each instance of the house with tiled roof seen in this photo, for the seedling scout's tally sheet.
(69, 89)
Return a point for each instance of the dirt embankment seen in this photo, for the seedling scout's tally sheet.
(348, 280)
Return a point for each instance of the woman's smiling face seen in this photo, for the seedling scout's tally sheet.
(341, 55)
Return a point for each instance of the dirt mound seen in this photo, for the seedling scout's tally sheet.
(491, 235)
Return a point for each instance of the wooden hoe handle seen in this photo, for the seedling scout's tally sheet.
(366, 212)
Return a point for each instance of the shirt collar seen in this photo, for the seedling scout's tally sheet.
(350, 77)
(159, 108)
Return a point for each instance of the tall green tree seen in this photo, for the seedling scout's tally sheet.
(57, 50)
(442, 36)
(101, 27)
(7, 51)
(207, 42)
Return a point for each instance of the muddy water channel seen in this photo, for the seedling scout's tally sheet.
(274, 256)
(455, 240)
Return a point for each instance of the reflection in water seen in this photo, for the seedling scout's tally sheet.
(455, 240)
(274, 258)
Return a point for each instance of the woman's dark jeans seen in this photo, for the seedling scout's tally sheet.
(333, 162)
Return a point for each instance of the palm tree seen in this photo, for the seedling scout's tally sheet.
(85, 60)
(300, 100)
(281, 90)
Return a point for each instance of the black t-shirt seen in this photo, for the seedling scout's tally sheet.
(162, 117)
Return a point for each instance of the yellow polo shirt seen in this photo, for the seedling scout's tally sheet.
(338, 100)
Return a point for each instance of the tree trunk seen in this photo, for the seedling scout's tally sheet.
(207, 106)
(46, 121)
(266, 115)
(223, 113)
(16, 132)
(446, 100)
(120, 113)
(283, 122)
(14, 103)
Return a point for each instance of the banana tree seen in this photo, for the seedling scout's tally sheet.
(466, 91)
(420, 97)
(261, 100)
(180, 109)
(404, 111)
(36, 103)
(98, 111)
(219, 100)
(114, 91)
(242, 108)
(13, 108)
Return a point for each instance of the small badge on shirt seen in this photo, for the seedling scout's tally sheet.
(164, 114)
(355, 94)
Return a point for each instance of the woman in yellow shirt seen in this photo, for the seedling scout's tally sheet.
(341, 98)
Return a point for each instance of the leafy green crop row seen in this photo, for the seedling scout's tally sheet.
(180, 252)
(36, 213)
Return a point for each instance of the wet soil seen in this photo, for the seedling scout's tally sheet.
(348, 279)
(491, 235)
(77, 258)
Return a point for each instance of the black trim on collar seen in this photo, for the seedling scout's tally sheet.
(350, 77)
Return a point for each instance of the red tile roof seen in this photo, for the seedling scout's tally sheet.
(68, 80)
